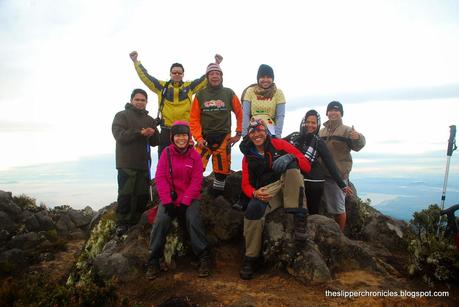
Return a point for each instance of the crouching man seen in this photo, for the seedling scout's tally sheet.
(271, 178)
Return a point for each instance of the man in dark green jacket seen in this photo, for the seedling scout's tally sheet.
(134, 131)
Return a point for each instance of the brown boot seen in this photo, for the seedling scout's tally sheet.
(204, 265)
(153, 269)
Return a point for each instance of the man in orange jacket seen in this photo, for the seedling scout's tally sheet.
(210, 123)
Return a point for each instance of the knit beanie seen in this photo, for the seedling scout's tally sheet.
(213, 67)
(265, 70)
(180, 127)
(335, 105)
(257, 125)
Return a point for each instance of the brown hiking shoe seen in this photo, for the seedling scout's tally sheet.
(153, 270)
(204, 265)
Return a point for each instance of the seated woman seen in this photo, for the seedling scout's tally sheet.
(178, 181)
(310, 144)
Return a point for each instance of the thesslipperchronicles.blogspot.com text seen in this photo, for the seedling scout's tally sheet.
(385, 293)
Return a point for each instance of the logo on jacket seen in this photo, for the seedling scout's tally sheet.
(263, 98)
(215, 104)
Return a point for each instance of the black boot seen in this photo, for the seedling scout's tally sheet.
(204, 264)
(153, 269)
(249, 266)
(300, 220)
(121, 230)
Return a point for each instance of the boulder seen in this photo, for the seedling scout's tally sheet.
(64, 225)
(8, 206)
(26, 241)
(326, 252)
(11, 260)
(32, 223)
(46, 222)
(221, 220)
(123, 259)
(6, 223)
(81, 218)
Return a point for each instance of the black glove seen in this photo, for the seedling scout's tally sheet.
(169, 208)
(280, 164)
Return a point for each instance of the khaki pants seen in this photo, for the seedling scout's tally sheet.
(287, 192)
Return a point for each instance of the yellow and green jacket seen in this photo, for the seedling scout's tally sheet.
(177, 97)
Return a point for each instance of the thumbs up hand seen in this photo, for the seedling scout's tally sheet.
(354, 134)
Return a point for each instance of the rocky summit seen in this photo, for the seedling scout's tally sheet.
(370, 256)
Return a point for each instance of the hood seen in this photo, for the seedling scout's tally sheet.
(129, 106)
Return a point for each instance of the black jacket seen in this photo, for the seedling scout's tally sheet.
(131, 145)
(314, 148)
(257, 170)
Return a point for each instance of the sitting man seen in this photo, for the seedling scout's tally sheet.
(271, 178)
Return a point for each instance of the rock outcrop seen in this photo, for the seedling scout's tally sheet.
(31, 233)
(327, 251)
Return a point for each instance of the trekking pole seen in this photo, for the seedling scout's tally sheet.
(451, 147)
(149, 172)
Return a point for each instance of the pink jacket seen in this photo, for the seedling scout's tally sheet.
(187, 174)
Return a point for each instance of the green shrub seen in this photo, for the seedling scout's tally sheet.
(26, 203)
(35, 290)
(433, 257)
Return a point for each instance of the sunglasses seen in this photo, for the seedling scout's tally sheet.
(257, 125)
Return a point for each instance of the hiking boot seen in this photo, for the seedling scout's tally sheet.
(204, 265)
(153, 269)
(121, 230)
(300, 227)
(249, 267)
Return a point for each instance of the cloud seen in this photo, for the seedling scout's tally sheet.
(15, 126)
(396, 94)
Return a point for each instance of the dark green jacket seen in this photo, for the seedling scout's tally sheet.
(131, 146)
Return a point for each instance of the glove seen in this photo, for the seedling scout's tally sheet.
(280, 165)
(169, 208)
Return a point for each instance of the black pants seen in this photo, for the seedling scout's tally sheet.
(164, 139)
(314, 192)
(194, 228)
(132, 195)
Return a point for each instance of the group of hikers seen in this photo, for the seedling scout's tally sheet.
(291, 173)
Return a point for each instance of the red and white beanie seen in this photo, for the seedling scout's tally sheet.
(213, 67)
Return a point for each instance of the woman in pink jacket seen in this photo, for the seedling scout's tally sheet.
(178, 181)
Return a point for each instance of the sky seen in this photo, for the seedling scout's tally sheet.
(394, 65)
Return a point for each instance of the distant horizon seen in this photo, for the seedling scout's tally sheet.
(92, 182)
